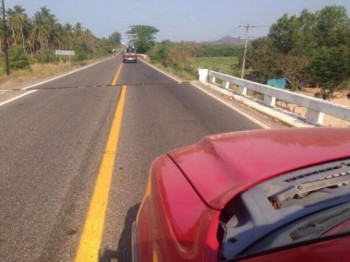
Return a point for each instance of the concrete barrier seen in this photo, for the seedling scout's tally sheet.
(315, 108)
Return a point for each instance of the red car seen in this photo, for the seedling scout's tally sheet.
(265, 195)
(129, 55)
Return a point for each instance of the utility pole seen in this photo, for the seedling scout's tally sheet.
(4, 29)
(245, 49)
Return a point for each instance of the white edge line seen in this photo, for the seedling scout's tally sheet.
(234, 108)
(213, 96)
(161, 71)
(49, 80)
(17, 97)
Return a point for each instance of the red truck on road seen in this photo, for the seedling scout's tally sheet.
(129, 55)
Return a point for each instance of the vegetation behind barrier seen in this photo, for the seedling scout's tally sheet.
(312, 49)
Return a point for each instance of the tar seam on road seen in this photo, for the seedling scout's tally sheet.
(157, 84)
(91, 236)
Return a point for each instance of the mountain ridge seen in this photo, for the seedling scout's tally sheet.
(227, 40)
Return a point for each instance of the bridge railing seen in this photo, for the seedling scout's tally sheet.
(315, 108)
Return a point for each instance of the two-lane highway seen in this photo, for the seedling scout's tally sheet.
(52, 142)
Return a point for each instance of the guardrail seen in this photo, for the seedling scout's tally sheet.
(316, 108)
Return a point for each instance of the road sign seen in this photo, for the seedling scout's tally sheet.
(65, 52)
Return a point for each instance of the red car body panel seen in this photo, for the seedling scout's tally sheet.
(236, 161)
(187, 188)
(175, 216)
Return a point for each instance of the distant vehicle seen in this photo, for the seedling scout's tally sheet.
(263, 195)
(129, 55)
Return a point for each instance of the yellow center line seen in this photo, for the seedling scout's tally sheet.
(116, 75)
(90, 239)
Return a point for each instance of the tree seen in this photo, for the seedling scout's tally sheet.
(90, 40)
(283, 33)
(68, 36)
(79, 33)
(115, 39)
(142, 37)
(328, 68)
(11, 21)
(40, 35)
(313, 46)
(43, 27)
(18, 22)
(332, 27)
(261, 56)
(305, 40)
(292, 67)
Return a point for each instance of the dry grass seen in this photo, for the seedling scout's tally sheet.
(36, 71)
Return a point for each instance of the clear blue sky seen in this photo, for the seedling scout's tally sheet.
(177, 20)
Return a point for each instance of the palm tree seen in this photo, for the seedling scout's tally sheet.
(21, 21)
(68, 36)
(18, 22)
(42, 32)
(90, 39)
(79, 33)
(43, 27)
(11, 23)
(59, 36)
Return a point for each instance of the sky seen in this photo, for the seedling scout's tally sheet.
(176, 20)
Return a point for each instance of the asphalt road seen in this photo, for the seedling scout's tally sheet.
(52, 140)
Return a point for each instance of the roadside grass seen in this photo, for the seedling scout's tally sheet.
(225, 65)
(37, 71)
(184, 74)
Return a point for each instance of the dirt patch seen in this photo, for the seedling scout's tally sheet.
(340, 96)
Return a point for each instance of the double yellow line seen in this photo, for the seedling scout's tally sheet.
(91, 236)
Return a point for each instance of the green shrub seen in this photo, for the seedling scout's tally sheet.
(175, 55)
(2, 70)
(46, 57)
(225, 65)
(18, 58)
(219, 50)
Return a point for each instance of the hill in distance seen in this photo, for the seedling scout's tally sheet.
(227, 40)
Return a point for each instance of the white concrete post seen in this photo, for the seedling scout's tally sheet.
(242, 90)
(269, 100)
(203, 75)
(314, 117)
(225, 84)
(212, 79)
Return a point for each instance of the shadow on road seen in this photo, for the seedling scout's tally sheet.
(123, 253)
